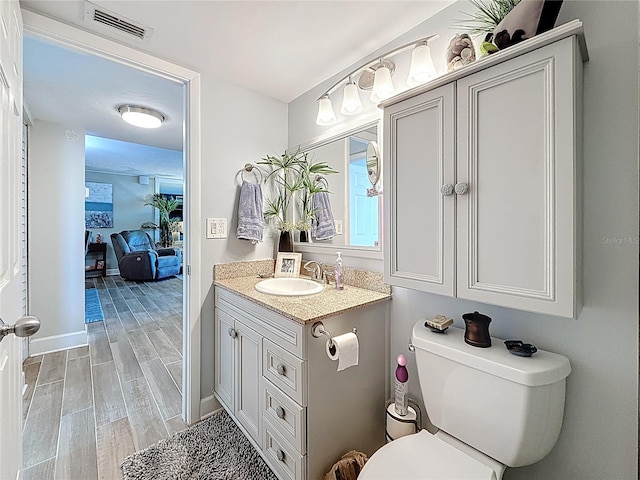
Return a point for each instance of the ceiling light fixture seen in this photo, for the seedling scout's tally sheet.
(376, 76)
(141, 116)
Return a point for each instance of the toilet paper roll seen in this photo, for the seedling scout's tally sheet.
(345, 350)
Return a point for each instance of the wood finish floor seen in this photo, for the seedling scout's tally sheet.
(88, 408)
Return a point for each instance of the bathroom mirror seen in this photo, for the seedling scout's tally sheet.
(357, 214)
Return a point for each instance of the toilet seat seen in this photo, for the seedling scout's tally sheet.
(424, 457)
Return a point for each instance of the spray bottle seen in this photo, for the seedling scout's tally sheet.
(402, 386)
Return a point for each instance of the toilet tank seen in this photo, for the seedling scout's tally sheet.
(508, 407)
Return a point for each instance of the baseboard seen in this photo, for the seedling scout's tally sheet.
(113, 271)
(54, 343)
(208, 406)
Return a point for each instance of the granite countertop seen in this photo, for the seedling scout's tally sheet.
(305, 309)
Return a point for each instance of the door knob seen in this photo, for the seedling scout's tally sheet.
(232, 333)
(280, 368)
(280, 454)
(24, 327)
(280, 412)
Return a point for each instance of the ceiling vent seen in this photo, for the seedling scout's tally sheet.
(108, 21)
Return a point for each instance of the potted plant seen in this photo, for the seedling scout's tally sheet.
(290, 173)
(165, 206)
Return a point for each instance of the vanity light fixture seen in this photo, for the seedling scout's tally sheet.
(376, 76)
(422, 69)
(326, 116)
(141, 116)
(351, 103)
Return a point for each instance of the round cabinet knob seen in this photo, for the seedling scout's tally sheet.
(280, 412)
(446, 189)
(280, 454)
(232, 333)
(461, 188)
(280, 369)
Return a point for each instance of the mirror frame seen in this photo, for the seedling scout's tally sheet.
(347, 250)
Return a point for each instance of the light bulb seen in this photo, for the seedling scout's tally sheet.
(326, 116)
(382, 85)
(351, 103)
(422, 69)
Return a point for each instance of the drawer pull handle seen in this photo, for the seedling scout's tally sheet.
(280, 412)
(232, 333)
(280, 454)
(280, 369)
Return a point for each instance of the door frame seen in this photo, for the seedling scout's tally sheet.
(70, 36)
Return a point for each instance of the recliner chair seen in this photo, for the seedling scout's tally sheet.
(139, 260)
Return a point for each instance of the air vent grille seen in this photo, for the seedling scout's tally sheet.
(108, 21)
(120, 24)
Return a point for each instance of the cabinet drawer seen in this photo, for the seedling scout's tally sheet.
(284, 415)
(282, 457)
(277, 328)
(285, 371)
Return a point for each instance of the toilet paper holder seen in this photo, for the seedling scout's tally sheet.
(318, 330)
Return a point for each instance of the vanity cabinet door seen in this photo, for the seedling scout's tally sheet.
(516, 224)
(248, 358)
(224, 376)
(419, 208)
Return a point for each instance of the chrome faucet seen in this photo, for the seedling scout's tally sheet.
(316, 269)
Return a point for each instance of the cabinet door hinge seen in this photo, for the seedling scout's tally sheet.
(188, 269)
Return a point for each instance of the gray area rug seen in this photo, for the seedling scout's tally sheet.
(214, 449)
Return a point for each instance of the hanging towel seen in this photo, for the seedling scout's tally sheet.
(250, 220)
(322, 225)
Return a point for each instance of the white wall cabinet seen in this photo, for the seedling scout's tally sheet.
(275, 379)
(482, 184)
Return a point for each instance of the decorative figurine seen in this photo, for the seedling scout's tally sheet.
(460, 52)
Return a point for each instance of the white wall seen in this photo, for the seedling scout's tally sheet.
(238, 126)
(599, 438)
(56, 236)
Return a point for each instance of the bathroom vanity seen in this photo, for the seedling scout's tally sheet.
(278, 383)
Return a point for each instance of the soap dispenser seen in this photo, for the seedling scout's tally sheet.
(338, 273)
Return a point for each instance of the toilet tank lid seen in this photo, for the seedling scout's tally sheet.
(542, 368)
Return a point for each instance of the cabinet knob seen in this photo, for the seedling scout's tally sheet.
(461, 188)
(446, 189)
(280, 454)
(280, 369)
(232, 333)
(280, 412)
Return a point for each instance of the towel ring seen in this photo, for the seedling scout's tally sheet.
(248, 167)
(321, 179)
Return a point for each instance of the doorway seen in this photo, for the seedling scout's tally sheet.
(91, 45)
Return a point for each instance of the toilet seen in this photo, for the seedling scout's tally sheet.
(492, 409)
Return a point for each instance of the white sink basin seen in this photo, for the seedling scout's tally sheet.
(289, 286)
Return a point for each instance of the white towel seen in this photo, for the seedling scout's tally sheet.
(322, 225)
(250, 220)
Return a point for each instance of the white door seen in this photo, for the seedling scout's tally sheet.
(248, 373)
(10, 258)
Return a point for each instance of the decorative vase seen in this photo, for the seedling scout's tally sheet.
(304, 236)
(285, 243)
(166, 239)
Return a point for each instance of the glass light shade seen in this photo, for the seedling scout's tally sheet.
(141, 116)
(351, 103)
(326, 115)
(422, 69)
(382, 85)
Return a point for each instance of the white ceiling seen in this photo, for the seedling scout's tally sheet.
(278, 48)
